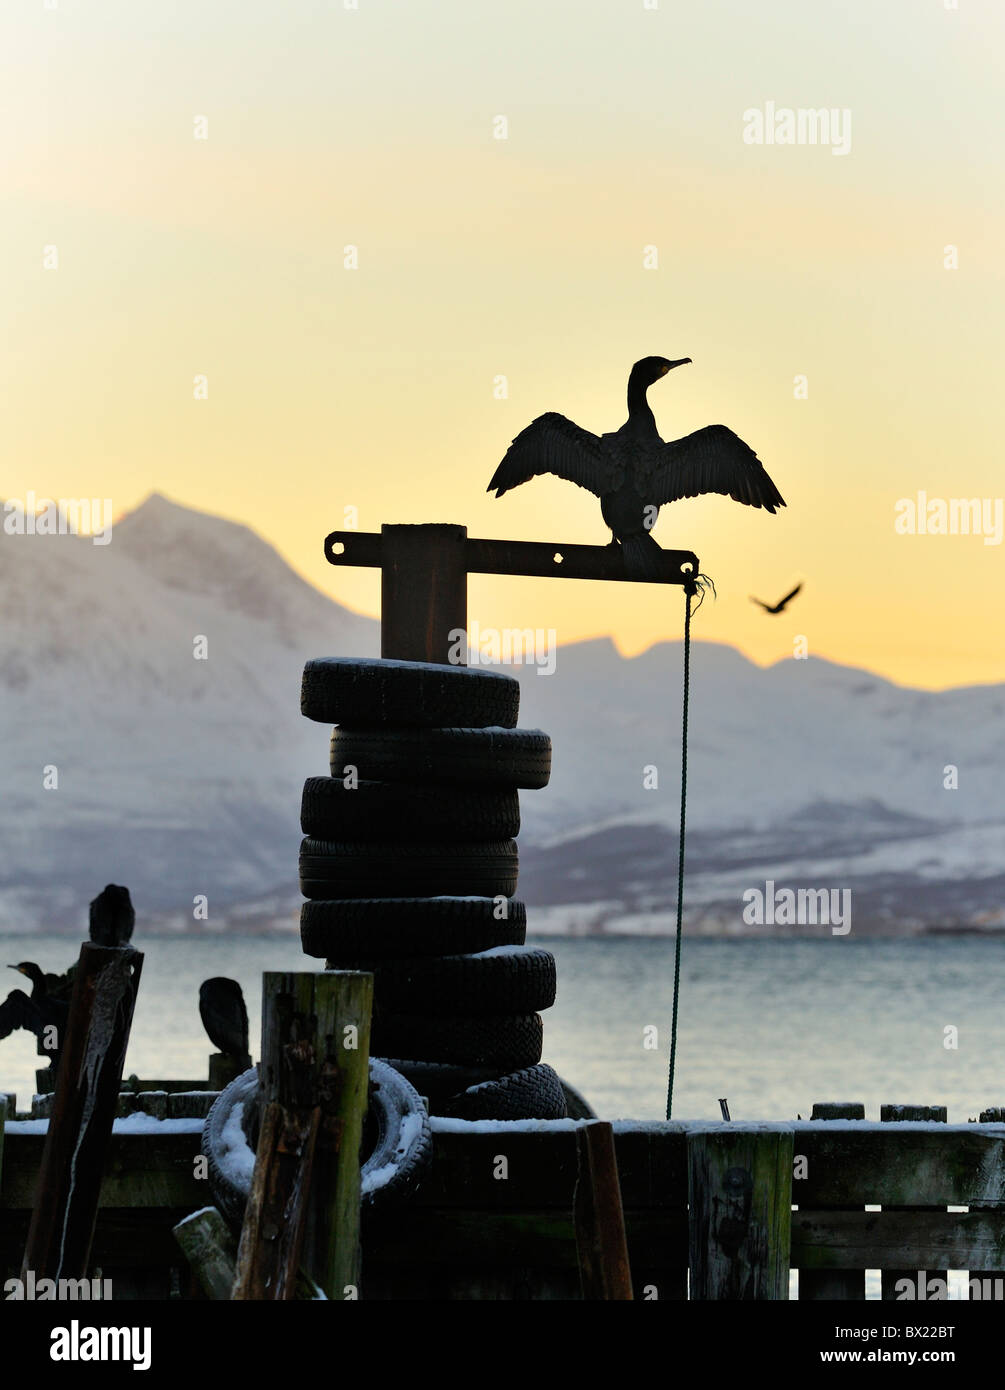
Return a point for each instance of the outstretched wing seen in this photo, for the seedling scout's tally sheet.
(761, 604)
(17, 1011)
(783, 601)
(553, 444)
(713, 459)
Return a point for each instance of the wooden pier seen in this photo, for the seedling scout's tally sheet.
(709, 1202)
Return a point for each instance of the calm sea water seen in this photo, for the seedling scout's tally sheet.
(771, 1025)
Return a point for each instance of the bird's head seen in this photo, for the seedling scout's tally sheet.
(28, 968)
(650, 369)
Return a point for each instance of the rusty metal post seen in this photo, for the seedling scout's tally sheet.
(423, 593)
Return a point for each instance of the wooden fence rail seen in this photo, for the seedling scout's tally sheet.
(468, 1234)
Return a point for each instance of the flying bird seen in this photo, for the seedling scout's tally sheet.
(225, 1017)
(779, 607)
(633, 471)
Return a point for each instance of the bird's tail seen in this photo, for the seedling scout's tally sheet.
(642, 556)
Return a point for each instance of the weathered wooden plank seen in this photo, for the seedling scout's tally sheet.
(5, 1107)
(740, 1196)
(124, 1238)
(892, 1279)
(602, 1251)
(528, 1238)
(819, 1285)
(272, 1236)
(87, 1090)
(897, 1165)
(141, 1170)
(211, 1251)
(332, 1010)
(895, 1241)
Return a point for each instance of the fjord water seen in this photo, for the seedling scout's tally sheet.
(773, 1025)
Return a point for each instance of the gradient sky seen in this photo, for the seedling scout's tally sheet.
(331, 388)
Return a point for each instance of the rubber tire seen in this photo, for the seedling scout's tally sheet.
(378, 811)
(521, 981)
(392, 1100)
(504, 1041)
(403, 694)
(576, 1105)
(533, 1093)
(440, 1081)
(445, 757)
(351, 931)
(356, 869)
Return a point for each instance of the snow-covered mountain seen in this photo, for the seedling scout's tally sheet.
(128, 759)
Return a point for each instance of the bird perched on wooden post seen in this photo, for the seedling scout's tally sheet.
(225, 1018)
(112, 917)
(634, 472)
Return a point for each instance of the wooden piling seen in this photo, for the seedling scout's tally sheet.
(816, 1285)
(315, 1055)
(893, 1114)
(223, 1069)
(601, 1245)
(86, 1098)
(211, 1252)
(740, 1198)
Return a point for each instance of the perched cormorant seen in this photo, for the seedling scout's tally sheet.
(779, 607)
(633, 471)
(225, 1018)
(112, 917)
(46, 1007)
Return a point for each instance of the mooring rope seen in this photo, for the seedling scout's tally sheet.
(696, 586)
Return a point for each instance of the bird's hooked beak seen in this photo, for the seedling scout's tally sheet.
(680, 362)
(17, 968)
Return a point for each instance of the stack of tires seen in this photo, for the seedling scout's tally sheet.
(410, 865)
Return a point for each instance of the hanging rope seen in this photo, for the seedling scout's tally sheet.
(696, 586)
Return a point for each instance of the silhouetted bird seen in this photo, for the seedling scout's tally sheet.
(112, 917)
(225, 1018)
(633, 471)
(47, 1006)
(780, 605)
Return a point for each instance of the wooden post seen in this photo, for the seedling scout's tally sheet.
(210, 1249)
(211, 1252)
(3, 1123)
(601, 1247)
(316, 1053)
(87, 1095)
(892, 1114)
(740, 1197)
(816, 1285)
(423, 592)
(223, 1069)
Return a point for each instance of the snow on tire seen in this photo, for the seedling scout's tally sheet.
(399, 1154)
(346, 690)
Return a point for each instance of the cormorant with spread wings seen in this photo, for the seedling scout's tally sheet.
(633, 471)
